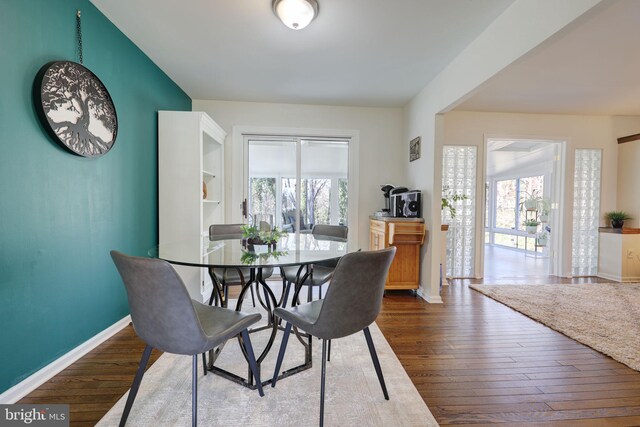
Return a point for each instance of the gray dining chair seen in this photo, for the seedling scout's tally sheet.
(351, 304)
(320, 272)
(230, 276)
(166, 318)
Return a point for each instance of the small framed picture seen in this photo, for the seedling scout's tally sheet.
(414, 149)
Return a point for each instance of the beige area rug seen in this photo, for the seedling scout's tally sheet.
(353, 395)
(603, 316)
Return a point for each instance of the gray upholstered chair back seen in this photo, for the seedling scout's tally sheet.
(339, 231)
(225, 231)
(354, 298)
(161, 309)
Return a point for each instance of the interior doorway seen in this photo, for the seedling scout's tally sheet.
(522, 207)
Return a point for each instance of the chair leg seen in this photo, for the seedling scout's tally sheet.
(287, 288)
(329, 352)
(322, 380)
(252, 361)
(226, 295)
(253, 298)
(204, 363)
(136, 384)
(194, 392)
(283, 348)
(376, 362)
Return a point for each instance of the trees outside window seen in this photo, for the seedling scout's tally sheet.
(342, 201)
(262, 197)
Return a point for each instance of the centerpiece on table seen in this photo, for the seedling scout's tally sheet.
(256, 240)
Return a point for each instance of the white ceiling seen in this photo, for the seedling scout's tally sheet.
(357, 52)
(592, 67)
(518, 157)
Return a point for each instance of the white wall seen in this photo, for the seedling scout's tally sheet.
(380, 133)
(471, 128)
(533, 22)
(628, 169)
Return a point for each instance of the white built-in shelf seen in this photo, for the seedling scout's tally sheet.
(190, 154)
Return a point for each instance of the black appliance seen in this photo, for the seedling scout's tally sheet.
(386, 189)
(405, 203)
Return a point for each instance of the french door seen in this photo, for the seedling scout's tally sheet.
(296, 182)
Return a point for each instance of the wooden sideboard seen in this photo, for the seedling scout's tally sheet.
(407, 236)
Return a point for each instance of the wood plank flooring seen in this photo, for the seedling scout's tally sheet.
(477, 362)
(473, 360)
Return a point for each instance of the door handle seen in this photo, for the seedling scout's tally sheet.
(243, 208)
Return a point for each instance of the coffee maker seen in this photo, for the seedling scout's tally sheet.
(386, 189)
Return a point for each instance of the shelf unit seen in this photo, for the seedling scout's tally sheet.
(190, 154)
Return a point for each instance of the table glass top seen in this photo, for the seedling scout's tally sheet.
(293, 249)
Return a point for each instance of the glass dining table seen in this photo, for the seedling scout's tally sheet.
(232, 252)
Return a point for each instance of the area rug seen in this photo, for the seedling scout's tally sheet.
(353, 395)
(603, 316)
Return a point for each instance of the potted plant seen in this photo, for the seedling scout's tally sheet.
(531, 202)
(617, 218)
(254, 237)
(449, 198)
(531, 225)
(544, 206)
(543, 239)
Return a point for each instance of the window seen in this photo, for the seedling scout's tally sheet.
(290, 178)
(316, 200)
(506, 202)
(263, 198)
(586, 212)
(342, 201)
(510, 197)
(459, 176)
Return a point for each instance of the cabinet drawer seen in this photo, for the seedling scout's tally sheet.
(377, 225)
(409, 232)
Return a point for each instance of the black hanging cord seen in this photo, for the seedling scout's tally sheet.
(79, 34)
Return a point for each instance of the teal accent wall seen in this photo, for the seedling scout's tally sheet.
(61, 214)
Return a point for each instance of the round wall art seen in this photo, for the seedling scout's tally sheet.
(75, 108)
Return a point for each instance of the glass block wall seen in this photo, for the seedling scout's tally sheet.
(586, 212)
(459, 167)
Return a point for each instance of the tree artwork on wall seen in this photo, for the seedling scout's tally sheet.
(75, 108)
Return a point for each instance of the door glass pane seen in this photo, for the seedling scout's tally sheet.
(269, 161)
(262, 196)
(289, 205)
(316, 200)
(586, 212)
(459, 176)
(506, 203)
(342, 201)
(324, 174)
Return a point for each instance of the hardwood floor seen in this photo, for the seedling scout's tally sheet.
(473, 360)
(93, 384)
(478, 362)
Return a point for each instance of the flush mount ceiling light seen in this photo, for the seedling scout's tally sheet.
(295, 14)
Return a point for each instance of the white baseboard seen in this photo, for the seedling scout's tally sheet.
(38, 378)
(627, 279)
(430, 299)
